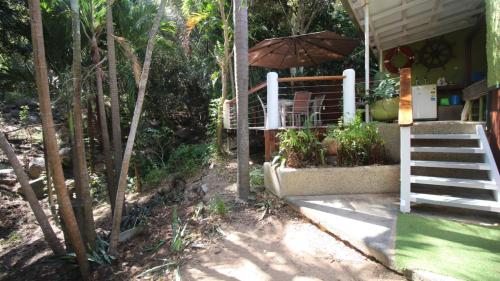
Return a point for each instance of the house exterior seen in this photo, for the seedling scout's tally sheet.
(458, 40)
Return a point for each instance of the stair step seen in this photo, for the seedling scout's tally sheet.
(480, 184)
(450, 165)
(450, 201)
(441, 149)
(445, 136)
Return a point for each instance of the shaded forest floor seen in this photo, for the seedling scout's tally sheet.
(261, 240)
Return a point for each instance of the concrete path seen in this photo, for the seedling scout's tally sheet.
(366, 221)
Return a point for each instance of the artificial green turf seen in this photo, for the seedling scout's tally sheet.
(463, 251)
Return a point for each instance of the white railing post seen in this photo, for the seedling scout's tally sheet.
(349, 102)
(273, 115)
(226, 114)
(489, 159)
(405, 132)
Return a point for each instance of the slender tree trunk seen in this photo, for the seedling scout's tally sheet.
(51, 238)
(83, 190)
(231, 75)
(106, 147)
(224, 75)
(50, 191)
(120, 195)
(42, 83)
(91, 133)
(241, 66)
(113, 90)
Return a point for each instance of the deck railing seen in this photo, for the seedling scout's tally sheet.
(405, 120)
(267, 101)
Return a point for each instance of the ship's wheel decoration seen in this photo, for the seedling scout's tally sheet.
(435, 53)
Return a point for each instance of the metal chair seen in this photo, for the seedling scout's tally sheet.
(301, 101)
(316, 109)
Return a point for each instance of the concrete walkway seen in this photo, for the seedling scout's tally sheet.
(366, 221)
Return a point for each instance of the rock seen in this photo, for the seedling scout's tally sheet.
(204, 187)
(65, 155)
(35, 167)
(7, 177)
(38, 186)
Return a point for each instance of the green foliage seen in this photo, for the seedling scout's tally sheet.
(187, 159)
(217, 206)
(387, 87)
(358, 143)
(137, 216)
(100, 254)
(256, 176)
(299, 148)
(24, 114)
(179, 241)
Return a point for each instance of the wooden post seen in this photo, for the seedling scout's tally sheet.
(270, 143)
(405, 123)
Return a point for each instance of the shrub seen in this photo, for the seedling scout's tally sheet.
(216, 206)
(256, 176)
(358, 143)
(300, 148)
(187, 159)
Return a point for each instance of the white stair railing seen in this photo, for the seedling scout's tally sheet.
(489, 160)
(405, 121)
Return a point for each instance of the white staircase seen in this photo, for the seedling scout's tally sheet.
(428, 176)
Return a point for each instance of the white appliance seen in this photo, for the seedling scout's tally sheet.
(424, 99)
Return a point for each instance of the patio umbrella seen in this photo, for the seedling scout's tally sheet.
(301, 50)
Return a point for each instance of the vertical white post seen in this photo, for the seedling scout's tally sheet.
(226, 114)
(367, 57)
(349, 102)
(405, 132)
(273, 115)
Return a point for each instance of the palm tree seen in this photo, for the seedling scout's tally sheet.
(51, 238)
(240, 16)
(224, 64)
(120, 194)
(113, 90)
(41, 77)
(83, 187)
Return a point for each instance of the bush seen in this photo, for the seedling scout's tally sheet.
(187, 159)
(300, 148)
(358, 143)
(256, 176)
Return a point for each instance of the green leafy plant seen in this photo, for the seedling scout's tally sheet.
(256, 176)
(358, 143)
(216, 206)
(299, 148)
(387, 87)
(179, 241)
(100, 255)
(187, 159)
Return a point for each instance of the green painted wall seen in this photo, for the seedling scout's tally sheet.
(493, 42)
(454, 70)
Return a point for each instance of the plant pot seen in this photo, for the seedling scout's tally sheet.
(385, 110)
(330, 146)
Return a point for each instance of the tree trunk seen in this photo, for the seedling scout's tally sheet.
(106, 147)
(241, 68)
(224, 75)
(113, 91)
(120, 195)
(42, 83)
(91, 133)
(51, 238)
(83, 190)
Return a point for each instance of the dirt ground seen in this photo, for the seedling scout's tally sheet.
(261, 240)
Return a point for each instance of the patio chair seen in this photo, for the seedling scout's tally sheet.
(300, 107)
(316, 109)
(264, 110)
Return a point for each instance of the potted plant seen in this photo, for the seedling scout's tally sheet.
(384, 98)
(330, 143)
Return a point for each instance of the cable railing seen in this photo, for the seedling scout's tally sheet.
(324, 103)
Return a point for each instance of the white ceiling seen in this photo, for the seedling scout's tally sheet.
(399, 22)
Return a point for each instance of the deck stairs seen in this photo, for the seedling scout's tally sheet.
(454, 170)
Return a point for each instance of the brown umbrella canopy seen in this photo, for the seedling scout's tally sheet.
(301, 50)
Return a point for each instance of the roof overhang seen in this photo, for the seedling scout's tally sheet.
(399, 22)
